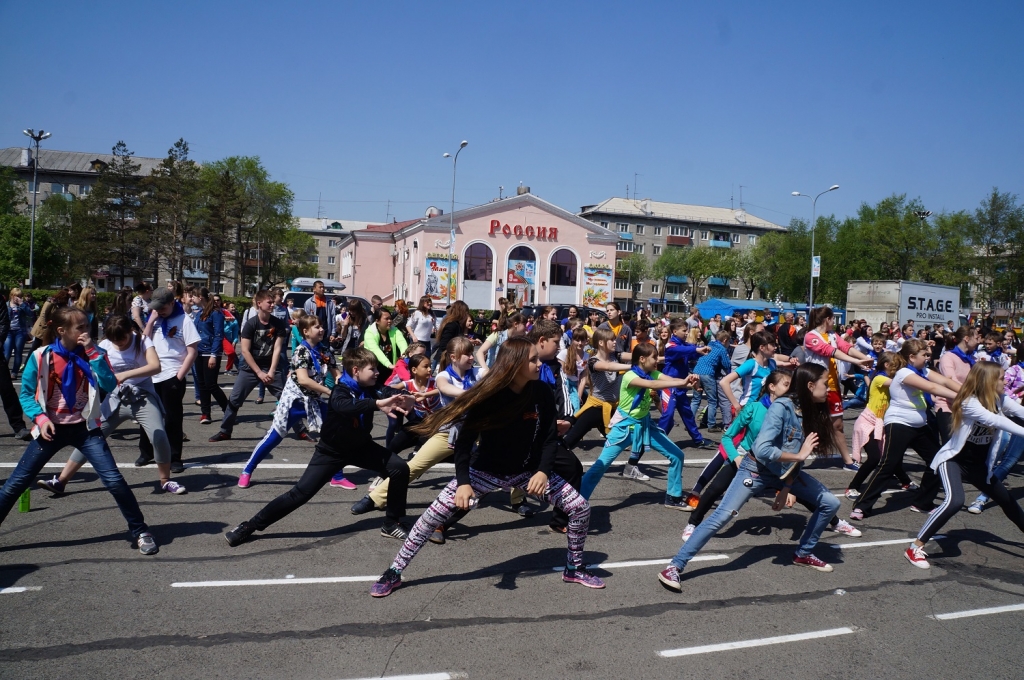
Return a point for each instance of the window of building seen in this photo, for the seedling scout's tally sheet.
(672, 288)
(703, 291)
(735, 238)
(639, 228)
(677, 231)
(317, 242)
(734, 292)
(621, 284)
(639, 248)
(657, 231)
(58, 188)
(129, 214)
(563, 268)
(84, 190)
(330, 259)
(332, 243)
(31, 187)
(330, 276)
(604, 224)
(752, 239)
(346, 265)
(720, 236)
(478, 263)
(624, 246)
(623, 228)
(640, 287)
(315, 259)
(218, 288)
(703, 235)
(655, 288)
(657, 250)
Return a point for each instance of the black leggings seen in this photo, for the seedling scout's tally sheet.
(953, 474)
(208, 387)
(720, 484)
(898, 438)
(709, 472)
(874, 453)
(588, 420)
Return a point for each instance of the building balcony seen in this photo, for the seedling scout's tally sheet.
(720, 244)
(718, 281)
(679, 241)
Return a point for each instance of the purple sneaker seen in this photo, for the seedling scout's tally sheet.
(388, 581)
(582, 576)
(669, 578)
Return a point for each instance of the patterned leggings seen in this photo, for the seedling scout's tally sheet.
(560, 494)
(285, 417)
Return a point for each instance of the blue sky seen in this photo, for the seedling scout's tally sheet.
(357, 101)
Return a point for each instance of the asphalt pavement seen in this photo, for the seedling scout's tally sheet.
(78, 601)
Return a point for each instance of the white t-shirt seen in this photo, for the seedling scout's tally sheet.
(129, 360)
(906, 404)
(421, 326)
(172, 350)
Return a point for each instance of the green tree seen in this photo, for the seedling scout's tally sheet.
(114, 201)
(14, 252)
(671, 262)
(12, 192)
(79, 241)
(173, 202)
(701, 263)
(633, 269)
(996, 236)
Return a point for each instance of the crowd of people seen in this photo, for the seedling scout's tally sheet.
(509, 396)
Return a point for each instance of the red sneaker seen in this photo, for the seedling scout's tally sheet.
(812, 562)
(917, 556)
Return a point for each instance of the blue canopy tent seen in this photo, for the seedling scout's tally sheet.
(726, 307)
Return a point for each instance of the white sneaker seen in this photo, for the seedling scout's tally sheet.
(633, 472)
(852, 494)
(377, 481)
(687, 532)
(844, 527)
(975, 508)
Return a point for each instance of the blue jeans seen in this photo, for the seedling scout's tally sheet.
(15, 344)
(617, 443)
(94, 447)
(1011, 454)
(710, 393)
(748, 481)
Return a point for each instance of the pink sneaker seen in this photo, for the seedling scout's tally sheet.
(243, 480)
(344, 484)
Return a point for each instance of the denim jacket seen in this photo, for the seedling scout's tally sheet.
(781, 432)
(211, 333)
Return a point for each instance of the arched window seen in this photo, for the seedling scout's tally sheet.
(478, 263)
(563, 268)
(522, 253)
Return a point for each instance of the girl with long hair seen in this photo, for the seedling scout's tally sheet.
(508, 438)
(210, 326)
(955, 363)
(422, 323)
(453, 325)
(400, 320)
(906, 425)
(350, 334)
(794, 426)
(134, 361)
(574, 364)
(980, 411)
(87, 303)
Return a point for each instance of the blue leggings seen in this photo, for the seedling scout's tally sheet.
(274, 437)
(612, 449)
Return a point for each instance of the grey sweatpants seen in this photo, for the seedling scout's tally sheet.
(148, 411)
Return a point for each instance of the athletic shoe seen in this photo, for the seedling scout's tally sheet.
(523, 509)
(389, 580)
(177, 467)
(582, 576)
(174, 487)
(343, 484)
(142, 461)
(243, 480)
(844, 527)
(675, 502)
(923, 511)
(391, 529)
(437, 537)
(304, 436)
(812, 562)
(220, 437)
(669, 578)
(687, 532)
(205, 420)
(362, 506)
(714, 428)
(917, 556)
(851, 467)
(147, 544)
(692, 500)
(706, 445)
(857, 514)
(910, 487)
(976, 508)
(184, 438)
(852, 494)
(259, 400)
(24, 435)
(54, 486)
(239, 534)
(377, 481)
(633, 472)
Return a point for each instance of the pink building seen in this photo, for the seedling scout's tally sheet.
(520, 247)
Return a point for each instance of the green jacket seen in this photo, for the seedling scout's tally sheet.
(751, 418)
(371, 341)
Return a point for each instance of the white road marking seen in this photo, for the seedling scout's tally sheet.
(760, 642)
(422, 676)
(870, 544)
(18, 589)
(979, 612)
(647, 563)
(275, 581)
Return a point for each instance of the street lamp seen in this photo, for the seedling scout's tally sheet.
(814, 206)
(451, 216)
(36, 137)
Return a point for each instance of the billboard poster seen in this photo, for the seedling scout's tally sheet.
(521, 281)
(438, 281)
(597, 285)
(929, 304)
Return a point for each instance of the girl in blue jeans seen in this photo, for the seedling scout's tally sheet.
(795, 425)
(60, 394)
(632, 426)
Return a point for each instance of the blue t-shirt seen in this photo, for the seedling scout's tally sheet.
(753, 374)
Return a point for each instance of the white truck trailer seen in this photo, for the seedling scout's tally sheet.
(925, 304)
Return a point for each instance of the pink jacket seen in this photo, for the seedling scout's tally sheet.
(867, 425)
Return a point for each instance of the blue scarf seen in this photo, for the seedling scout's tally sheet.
(76, 359)
(546, 374)
(966, 358)
(927, 397)
(164, 320)
(358, 391)
(639, 395)
(766, 400)
(314, 354)
(995, 354)
(467, 381)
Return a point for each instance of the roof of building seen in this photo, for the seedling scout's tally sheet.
(682, 212)
(521, 200)
(77, 162)
(392, 227)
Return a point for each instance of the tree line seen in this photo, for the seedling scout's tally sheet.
(981, 252)
(226, 218)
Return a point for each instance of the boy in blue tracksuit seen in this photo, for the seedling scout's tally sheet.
(678, 356)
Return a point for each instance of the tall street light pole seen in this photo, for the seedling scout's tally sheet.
(36, 137)
(451, 218)
(814, 206)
